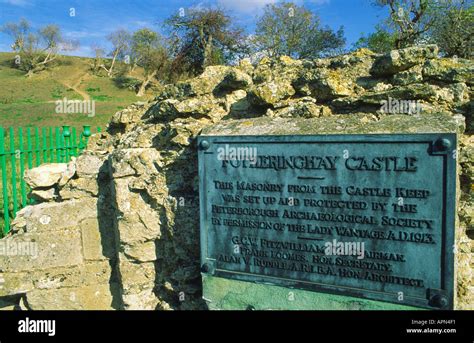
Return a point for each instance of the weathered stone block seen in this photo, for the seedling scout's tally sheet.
(14, 283)
(449, 70)
(80, 188)
(136, 273)
(88, 165)
(92, 242)
(90, 273)
(403, 59)
(143, 300)
(93, 297)
(46, 175)
(41, 195)
(43, 250)
(69, 173)
(141, 251)
(55, 216)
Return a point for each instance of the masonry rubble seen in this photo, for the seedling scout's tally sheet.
(118, 227)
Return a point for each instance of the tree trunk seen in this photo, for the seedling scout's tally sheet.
(109, 74)
(207, 47)
(208, 52)
(146, 82)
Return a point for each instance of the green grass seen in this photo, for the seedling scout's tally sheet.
(30, 101)
(91, 90)
(101, 97)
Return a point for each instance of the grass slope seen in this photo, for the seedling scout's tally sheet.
(30, 101)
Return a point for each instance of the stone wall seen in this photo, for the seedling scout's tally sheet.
(118, 228)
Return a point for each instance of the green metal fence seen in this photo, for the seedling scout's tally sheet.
(28, 148)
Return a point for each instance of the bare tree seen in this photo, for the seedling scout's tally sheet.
(454, 30)
(19, 32)
(410, 18)
(120, 40)
(36, 49)
(288, 29)
(99, 53)
(204, 37)
(150, 53)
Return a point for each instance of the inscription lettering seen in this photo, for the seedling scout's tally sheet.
(280, 209)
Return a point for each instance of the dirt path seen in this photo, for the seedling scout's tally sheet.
(74, 82)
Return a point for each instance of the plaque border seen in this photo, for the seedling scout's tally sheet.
(447, 284)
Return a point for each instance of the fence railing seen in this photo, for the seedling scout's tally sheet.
(28, 148)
